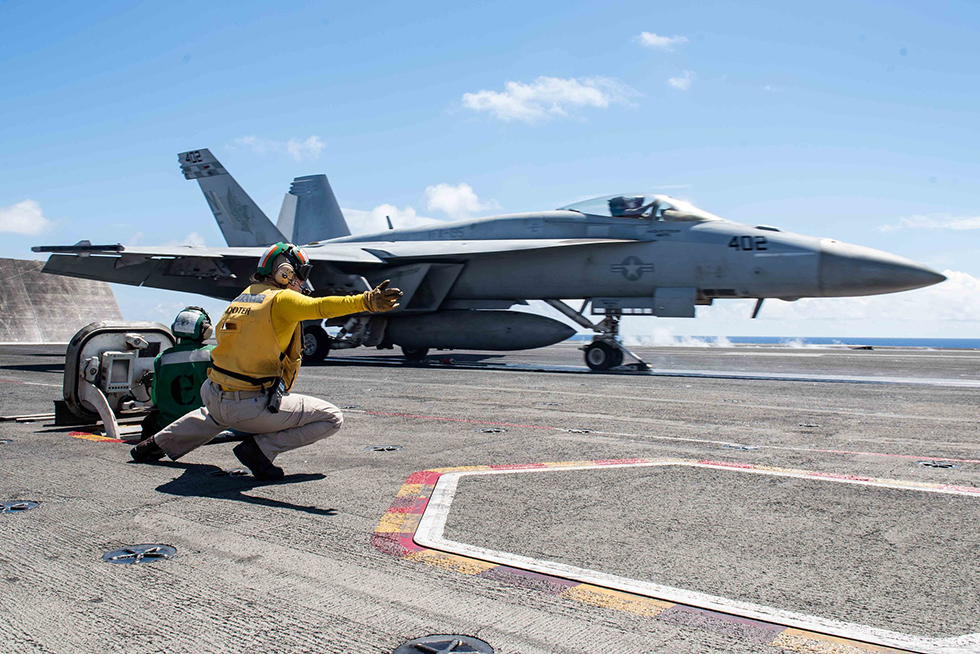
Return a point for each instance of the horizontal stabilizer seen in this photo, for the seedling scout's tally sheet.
(241, 221)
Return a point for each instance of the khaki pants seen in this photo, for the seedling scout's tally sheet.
(301, 420)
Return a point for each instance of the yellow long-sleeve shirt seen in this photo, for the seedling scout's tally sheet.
(248, 326)
(290, 308)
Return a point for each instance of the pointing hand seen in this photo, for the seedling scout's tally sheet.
(382, 298)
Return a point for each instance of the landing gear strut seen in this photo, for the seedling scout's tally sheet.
(605, 351)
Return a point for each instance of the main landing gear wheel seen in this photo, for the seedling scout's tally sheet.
(603, 356)
(316, 343)
(414, 353)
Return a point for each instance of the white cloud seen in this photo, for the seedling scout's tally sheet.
(547, 97)
(193, 238)
(458, 202)
(955, 300)
(365, 222)
(950, 309)
(145, 303)
(936, 221)
(307, 149)
(682, 83)
(261, 146)
(24, 218)
(651, 40)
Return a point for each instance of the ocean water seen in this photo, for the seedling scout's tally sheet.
(801, 341)
(932, 343)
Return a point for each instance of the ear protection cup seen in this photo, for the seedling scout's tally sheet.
(284, 274)
(208, 332)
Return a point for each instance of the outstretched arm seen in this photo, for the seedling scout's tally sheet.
(293, 307)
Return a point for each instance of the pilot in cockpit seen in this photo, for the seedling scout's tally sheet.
(628, 206)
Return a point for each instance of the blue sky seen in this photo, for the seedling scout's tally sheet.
(856, 120)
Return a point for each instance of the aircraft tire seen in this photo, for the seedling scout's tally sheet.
(316, 344)
(601, 356)
(617, 358)
(414, 353)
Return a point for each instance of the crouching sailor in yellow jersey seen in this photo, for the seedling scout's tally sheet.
(254, 366)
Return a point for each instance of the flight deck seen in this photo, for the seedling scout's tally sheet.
(742, 499)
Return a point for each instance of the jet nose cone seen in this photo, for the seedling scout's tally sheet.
(847, 270)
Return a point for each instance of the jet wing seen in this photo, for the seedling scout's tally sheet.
(341, 252)
(219, 272)
(222, 272)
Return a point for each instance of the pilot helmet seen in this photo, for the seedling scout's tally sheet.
(284, 253)
(192, 324)
(625, 205)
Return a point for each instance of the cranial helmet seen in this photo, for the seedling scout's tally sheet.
(272, 259)
(192, 324)
(625, 205)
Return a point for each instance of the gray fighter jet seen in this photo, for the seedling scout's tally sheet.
(626, 254)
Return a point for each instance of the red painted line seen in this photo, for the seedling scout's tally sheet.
(409, 505)
(395, 544)
(423, 477)
(973, 490)
(402, 544)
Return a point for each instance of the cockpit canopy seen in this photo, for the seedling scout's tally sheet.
(645, 206)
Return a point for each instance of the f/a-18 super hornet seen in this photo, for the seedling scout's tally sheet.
(626, 254)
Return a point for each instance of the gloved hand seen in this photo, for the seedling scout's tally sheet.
(382, 298)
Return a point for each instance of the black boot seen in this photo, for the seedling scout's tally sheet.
(251, 456)
(147, 450)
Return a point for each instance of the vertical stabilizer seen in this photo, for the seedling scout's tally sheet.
(240, 219)
(310, 211)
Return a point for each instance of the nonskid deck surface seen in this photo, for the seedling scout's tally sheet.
(290, 567)
(839, 364)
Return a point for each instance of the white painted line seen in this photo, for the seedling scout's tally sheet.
(430, 533)
(27, 383)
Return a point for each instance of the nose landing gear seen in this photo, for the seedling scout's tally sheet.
(600, 355)
(605, 351)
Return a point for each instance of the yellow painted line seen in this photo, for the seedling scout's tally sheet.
(614, 599)
(98, 438)
(393, 523)
(808, 642)
(461, 564)
(411, 490)
(789, 639)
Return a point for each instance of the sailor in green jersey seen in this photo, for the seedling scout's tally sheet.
(179, 372)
